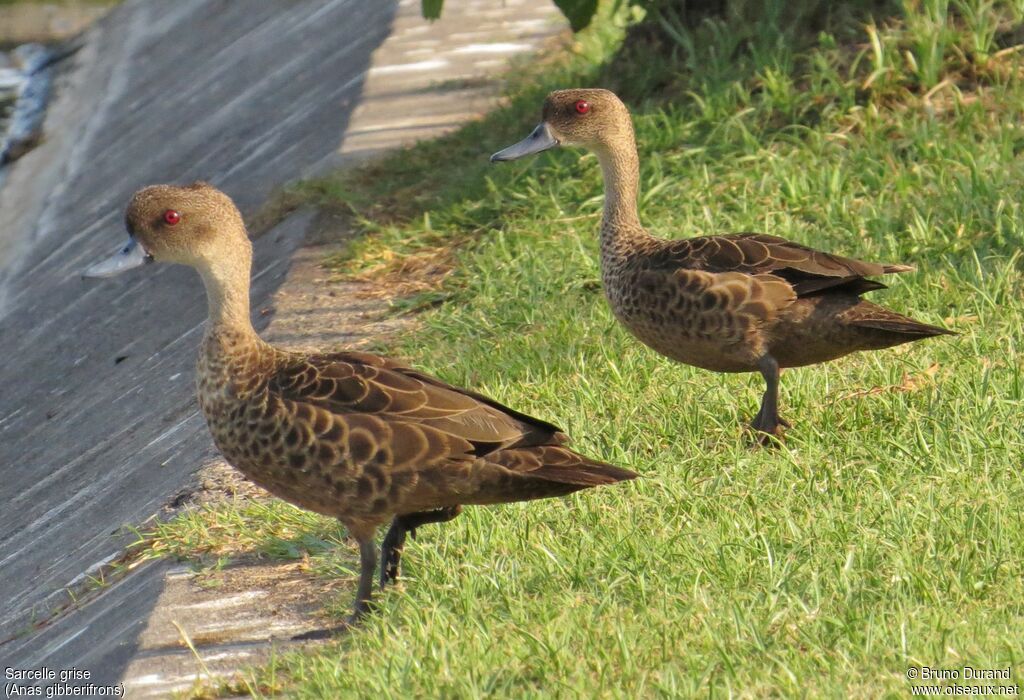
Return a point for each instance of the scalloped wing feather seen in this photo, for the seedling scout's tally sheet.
(731, 307)
(361, 383)
(809, 271)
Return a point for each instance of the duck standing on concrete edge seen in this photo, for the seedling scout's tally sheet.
(743, 302)
(347, 434)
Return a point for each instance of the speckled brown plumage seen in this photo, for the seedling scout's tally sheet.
(362, 438)
(349, 434)
(736, 303)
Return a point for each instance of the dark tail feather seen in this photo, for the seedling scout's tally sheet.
(836, 285)
(852, 284)
(557, 464)
(589, 473)
(543, 471)
(904, 326)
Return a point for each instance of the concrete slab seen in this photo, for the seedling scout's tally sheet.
(202, 631)
(426, 78)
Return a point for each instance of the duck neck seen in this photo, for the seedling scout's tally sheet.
(620, 166)
(227, 293)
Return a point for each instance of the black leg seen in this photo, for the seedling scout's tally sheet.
(767, 421)
(367, 567)
(364, 593)
(394, 541)
(391, 551)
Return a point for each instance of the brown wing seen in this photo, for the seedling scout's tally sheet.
(724, 307)
(809, 271)
(362, 383)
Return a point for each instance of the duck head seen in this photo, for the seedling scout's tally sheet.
(195, 225)
(592, 118)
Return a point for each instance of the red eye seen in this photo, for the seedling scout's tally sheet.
(171, 217)
(582, 106)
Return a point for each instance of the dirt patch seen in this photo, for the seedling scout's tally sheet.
(22, 22)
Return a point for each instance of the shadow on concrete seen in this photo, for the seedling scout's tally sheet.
(98, 421)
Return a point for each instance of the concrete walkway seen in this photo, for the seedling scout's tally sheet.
(98, 423)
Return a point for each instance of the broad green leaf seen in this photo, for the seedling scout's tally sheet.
(578, 12)
(432, 8)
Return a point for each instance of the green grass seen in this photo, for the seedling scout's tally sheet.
(887, 533)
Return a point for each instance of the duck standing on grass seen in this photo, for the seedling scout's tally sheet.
(347, 434)
(743, 302)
